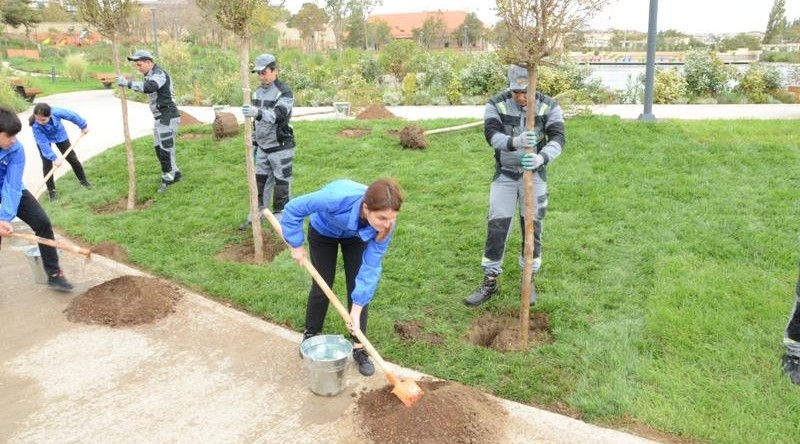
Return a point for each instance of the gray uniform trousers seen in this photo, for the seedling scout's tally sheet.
(791, 337)
(164, 140)
(275, 170)
(505, 195)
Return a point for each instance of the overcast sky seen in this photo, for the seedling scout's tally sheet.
(690, 16)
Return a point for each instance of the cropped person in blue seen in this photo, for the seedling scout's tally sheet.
(360, 219)
(48, 129)
(16, 201)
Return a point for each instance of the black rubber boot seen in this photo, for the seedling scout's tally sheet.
(487, 289)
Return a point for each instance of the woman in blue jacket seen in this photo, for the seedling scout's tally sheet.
(48, 129)
(16, 201)
(361, 220)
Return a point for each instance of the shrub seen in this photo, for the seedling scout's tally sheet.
(9, 97)
(396, 57)
(392, 97)
(759, 81)
(634, 90)
(484, 75)
(669, 86)
(454, 91)
(409, 88)
(705, 73)
(76, 67)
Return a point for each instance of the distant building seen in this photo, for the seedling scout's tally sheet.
(402, 26)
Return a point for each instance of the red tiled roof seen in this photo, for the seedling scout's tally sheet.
(402, 25)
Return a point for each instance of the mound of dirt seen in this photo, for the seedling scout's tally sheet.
(413, 136)
(245, 251)
(502, 333)
(188, 119)
(111, 250)
(413, 331)
(375, 112)
(448, 413)
(126, 300)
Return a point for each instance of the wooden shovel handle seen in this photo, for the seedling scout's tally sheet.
(454, 128)
(336, 303)
(54, 243)
(53, 169)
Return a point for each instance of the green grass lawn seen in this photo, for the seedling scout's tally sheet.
(670, 254)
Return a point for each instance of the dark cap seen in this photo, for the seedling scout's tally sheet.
(141, 54)
(517, 78)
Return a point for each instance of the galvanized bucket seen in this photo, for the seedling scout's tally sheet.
(325, 357)
(37, 267)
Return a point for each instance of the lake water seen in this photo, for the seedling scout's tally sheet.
(615, 77)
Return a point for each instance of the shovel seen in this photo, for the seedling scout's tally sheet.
(54, 243)
(408, 391)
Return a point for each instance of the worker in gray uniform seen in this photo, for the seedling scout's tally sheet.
(790, 363)
(504, 129)
(273, 137)
(158, 86)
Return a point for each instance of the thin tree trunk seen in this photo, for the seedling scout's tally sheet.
(244, 52)
(126, 131)
(530, 210)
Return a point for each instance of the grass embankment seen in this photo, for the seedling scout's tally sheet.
(669, 261)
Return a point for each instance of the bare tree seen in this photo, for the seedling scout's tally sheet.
(110, 18)
(537, 30)
(337, 11)
(236, 16)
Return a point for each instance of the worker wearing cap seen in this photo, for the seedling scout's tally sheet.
(504, 129)
(273, 138)
(791, 340)
(158, 86)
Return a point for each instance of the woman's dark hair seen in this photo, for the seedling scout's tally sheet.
(40, 109)
(384, 194)
(9, 122)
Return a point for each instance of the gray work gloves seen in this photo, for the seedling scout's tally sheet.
(532, 161)
(524, 140)
(250, 111)
(123, 81)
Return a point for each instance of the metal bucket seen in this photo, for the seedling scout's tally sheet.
(37, 266)
(325, 357)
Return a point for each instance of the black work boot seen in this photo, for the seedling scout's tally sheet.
(365, 366)
(306, 335)
(791, 365)
(86, 184)
(483, 293)
(59, 283)
(53, 195)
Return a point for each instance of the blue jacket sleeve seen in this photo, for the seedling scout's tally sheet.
(43, 143)
(12, 187)
(72, 116)
(295, 212)
(370, 272)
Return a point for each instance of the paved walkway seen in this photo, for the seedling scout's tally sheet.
(207, 373)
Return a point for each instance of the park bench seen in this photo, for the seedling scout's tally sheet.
(106, 78)
(28, 53)
(26, 93)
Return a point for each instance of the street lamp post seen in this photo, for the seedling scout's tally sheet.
(649, 72)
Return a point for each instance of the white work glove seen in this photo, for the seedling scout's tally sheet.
(532, 161)
(524, 140)
(250, 111)
(123, 81)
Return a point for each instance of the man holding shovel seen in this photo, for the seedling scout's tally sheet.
(16, 201)
(158, 86)
(504, 129)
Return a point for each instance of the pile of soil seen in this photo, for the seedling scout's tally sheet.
(375, 112)
(126, 300)
(354, 133)
(120, 206)
(413, 331)
(413, 136)
(111, 250)
(502, 333)
(447, 413)
(245, 251)
(187, 119)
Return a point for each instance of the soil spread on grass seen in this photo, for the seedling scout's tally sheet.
(375, 112)
(111, 250)
(413, 331)
(502, 333)
(123, 301)
(245, 252)
(120, 206)
(448, 413)
(187, 119)
(354, 133)
(413, 136)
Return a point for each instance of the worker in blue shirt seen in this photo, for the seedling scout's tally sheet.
(16, 201)
(360, 219)
(48, 128)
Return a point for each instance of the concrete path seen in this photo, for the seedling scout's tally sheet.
(207, 373)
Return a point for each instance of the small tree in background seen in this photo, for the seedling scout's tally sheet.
(777, 23)
(537, 29)
(237, 16)
(110, 18)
